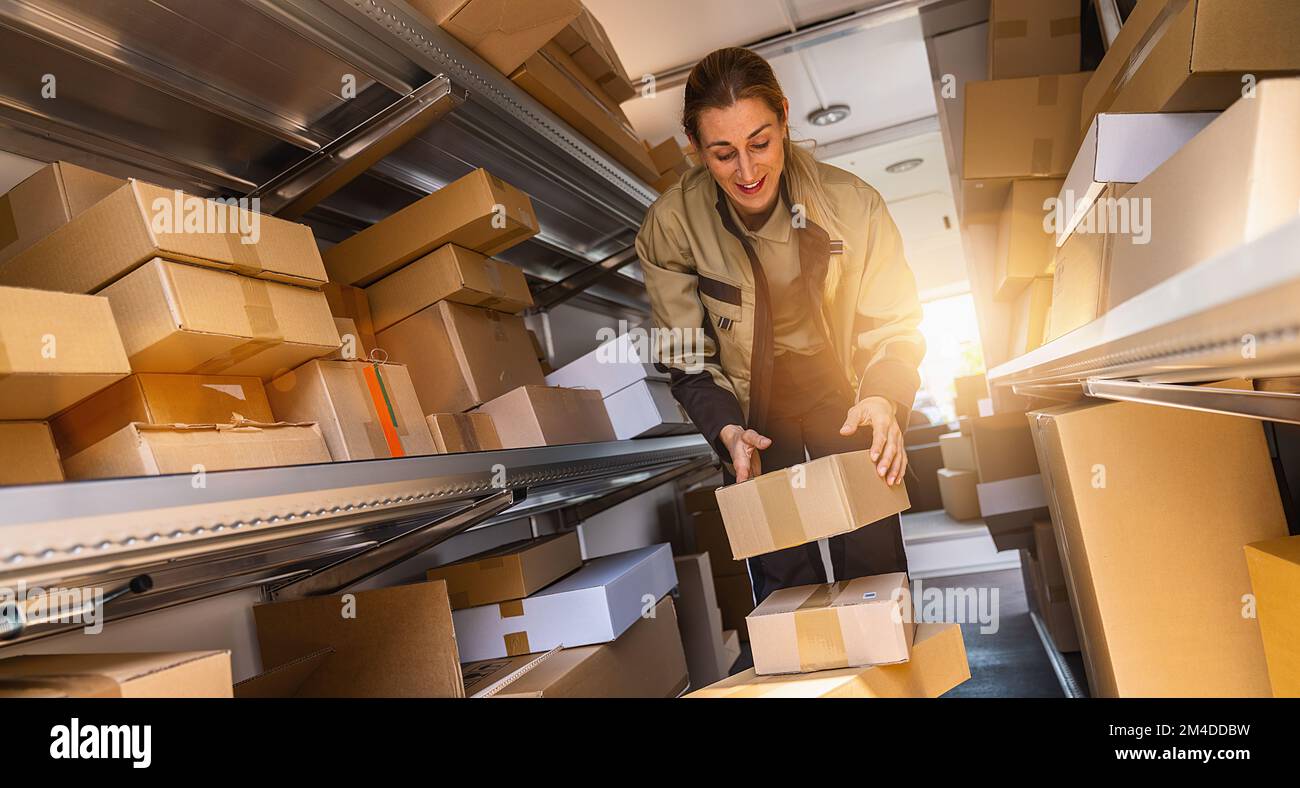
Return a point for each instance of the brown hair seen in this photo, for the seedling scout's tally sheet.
(726, 76)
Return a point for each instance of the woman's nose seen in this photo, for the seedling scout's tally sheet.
(745, 167)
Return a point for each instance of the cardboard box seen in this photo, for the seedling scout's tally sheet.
(365, 410)
(938, 664)
(169, 674)
(1051, 605)
(511, 571)
(1249, 154)
(957, 490)
(502, 32)
(1082, 269)
(1011, 496)
(549, 416)
(730, 649)
(700, 620)
(711, 538)
(158, 449)
(461, 356)
(646, 661)
(970, 390)
(1192, 55)
(1032, 37)
(668, 157)
(792, 506)
(1025, 249)
(283, 681)
(735, 601)
(1275, 581)
(352, 349)
(646, 408)
(28, 454)
(1053, 596)
(1029, 321)
(1148, 549)
(448, 273)
(600, 91)
(853, 623)
(958, 451)
(922, 484)
(1013, 129)
(182, 318)
(151, 398)
(545, 80)
(140, 221)
(456, 432)
(595, 604)
(479, 211)
(612, 367)
(46, 200)
(585, 40)
(351, 303)
(59, 348)
(1013, 530)
(395, 642)
(1125, 149)
(1003, 447)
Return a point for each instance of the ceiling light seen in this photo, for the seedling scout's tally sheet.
(903, 166)
(829, 115)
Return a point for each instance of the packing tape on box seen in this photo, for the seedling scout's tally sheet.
(388, 442)
(818, 636)
(517, 644)
(1141, 51)
(8, 224)
(513, 608)
(498, 330)
(1011, 28)
(1064, 26)
(459, 600)
(493, 269)
(464, 425)
(776, 495)
(244, 258)
(1049, 89)
(262, 324)
(77, 685)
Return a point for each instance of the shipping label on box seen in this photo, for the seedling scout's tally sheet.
(864, 621)
(793, 506)
(511, 571)
(595, 604)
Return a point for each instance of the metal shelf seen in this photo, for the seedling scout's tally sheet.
(1233, 315)
(1072, 685)
(219, 98)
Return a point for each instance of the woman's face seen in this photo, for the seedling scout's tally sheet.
(742, 147)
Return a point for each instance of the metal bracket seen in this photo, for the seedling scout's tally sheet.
(14, 622)
(1263, 405)
(295, 191)
(588, 509)
(1109, 17)
(336, 576)
(1059, 392)
(574, 284)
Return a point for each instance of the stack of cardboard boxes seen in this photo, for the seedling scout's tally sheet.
(734, 594)
(635, 391)
(199, 301)
(670, 160)
(854, 638)
(557, 52)
(1092, 178)
(958, 476)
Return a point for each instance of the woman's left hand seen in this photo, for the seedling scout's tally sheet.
(886, 437)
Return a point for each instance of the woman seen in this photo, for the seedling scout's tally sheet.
(795, 272)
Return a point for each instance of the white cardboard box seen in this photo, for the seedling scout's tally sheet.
(646, 407)
(1122, 148)
(1020, 494)
(595, 604)
(611, 367)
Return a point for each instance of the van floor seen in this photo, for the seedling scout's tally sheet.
(1008, 663)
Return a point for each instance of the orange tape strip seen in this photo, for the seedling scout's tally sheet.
(381, 409)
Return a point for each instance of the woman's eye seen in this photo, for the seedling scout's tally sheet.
(726, 156)
(760, 146)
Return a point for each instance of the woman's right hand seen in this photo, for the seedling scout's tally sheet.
(744, 446)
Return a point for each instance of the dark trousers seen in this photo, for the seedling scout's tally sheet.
(809, 401)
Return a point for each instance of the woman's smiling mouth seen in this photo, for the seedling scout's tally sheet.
(752, 188)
